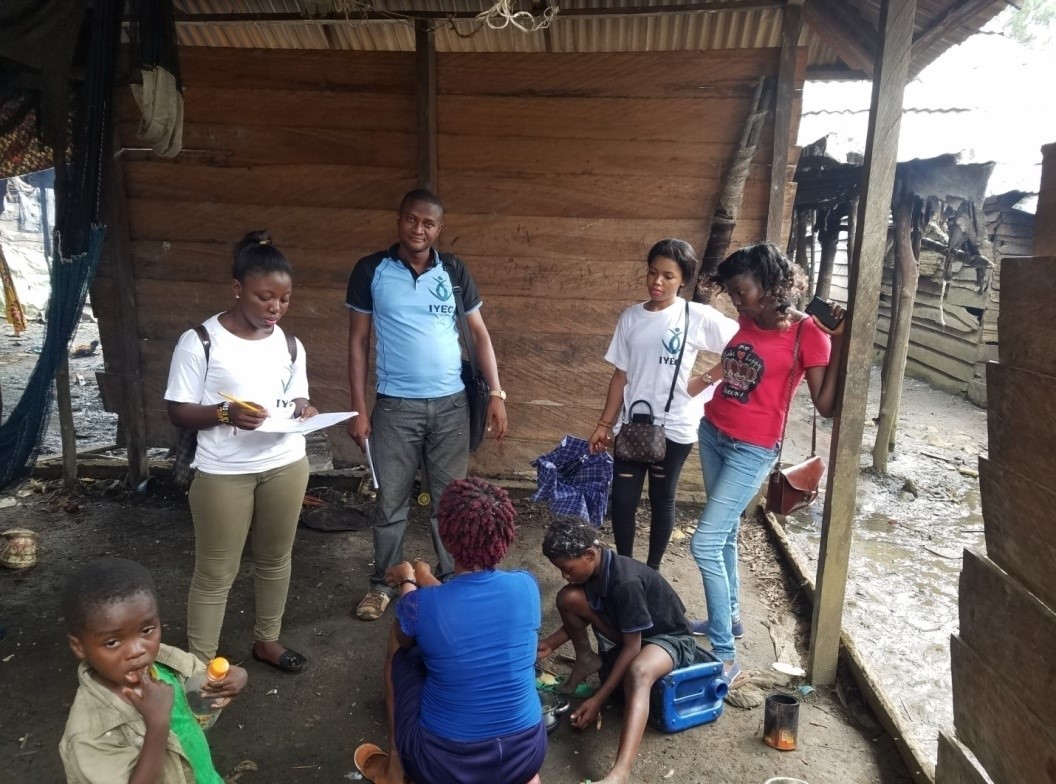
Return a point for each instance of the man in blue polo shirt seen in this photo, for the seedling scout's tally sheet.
(406, 294)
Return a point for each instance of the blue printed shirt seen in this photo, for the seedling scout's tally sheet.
(415, 318)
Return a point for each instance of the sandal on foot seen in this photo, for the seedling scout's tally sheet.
(366, 753)
(290, 661)
(735, 677)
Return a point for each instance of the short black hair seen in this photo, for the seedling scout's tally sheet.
(680, 252)
(423, 195)
(256, 255)
(99, 583)
(569, 537)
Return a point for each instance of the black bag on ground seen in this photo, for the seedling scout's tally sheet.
(478, 393)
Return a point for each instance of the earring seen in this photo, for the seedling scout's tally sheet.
(236, 296)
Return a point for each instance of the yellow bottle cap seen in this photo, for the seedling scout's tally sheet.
(218, 668)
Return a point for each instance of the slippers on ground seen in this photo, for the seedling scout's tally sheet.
(366, 759)
(290, 661)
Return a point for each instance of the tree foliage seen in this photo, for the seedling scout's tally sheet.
(1034, 22)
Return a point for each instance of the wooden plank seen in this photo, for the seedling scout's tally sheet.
(703, 120)
(1014, 744)
(1021, 420)
(277, 69)
(123, 314)
(1045, 215)
(609, 74)
(248, 145)
(955, 765)
(1004, 622)
(476, 152)
(947, 23)
(237, 105)
(885, 117)
(1020, 537)
(1027, 322)
(359, 232)
(358, 187)
(842, 28)
(426, 109)
(303, 185)
(791, 26)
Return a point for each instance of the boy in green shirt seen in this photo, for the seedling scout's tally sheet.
(130, 721)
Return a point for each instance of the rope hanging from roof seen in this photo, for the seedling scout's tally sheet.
(501, 15)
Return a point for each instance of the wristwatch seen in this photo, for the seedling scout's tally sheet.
(223, 413)
(500, 394)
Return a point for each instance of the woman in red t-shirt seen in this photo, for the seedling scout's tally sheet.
(775, 347)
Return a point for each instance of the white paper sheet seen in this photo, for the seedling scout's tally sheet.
(370, 463)
(317, 422)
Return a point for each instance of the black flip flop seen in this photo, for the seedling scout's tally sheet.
(290, 661)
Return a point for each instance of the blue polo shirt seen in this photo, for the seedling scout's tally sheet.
(414, 316)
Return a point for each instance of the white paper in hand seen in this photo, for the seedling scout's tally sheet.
(310, 425)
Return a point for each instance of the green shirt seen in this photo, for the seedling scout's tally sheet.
(185, 727)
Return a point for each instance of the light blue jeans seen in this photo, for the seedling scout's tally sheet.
(404, 430)
(733, 471)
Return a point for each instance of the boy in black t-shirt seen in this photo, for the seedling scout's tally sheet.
(640, 623)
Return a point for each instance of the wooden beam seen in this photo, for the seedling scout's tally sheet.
(955, 766)
(866, 273)
(119, 252)
(399, 16)
(425, 70)
(791, 26)
(842, 28)
(956, 15)
(66, 427)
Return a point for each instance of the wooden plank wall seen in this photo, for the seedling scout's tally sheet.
(558, 171)
(1003, 670)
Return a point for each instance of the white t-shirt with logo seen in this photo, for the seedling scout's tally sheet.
(646, 346)
(259, 371)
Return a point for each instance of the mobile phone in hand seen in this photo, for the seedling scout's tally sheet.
(819, 308)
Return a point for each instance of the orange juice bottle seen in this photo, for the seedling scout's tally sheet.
(201, 702)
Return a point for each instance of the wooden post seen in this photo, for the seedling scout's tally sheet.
(898, 333)
(866, 269)
(118, 249)
(425, 70)
(829, 237)
(66, 427)
(792, 24)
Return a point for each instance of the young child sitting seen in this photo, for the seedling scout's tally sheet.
(639, 621)
(130, 721)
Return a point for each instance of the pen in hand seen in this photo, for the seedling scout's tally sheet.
(251, 406)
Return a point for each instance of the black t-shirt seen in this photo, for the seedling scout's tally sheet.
(635, 598)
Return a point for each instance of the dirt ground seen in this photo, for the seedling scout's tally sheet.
(304, 728)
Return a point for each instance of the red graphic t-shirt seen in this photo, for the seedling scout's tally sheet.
(751, 402)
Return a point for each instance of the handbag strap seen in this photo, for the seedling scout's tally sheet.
(791, 393)
(678, 362)
(460, 314)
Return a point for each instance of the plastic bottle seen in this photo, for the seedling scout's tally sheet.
(200, 702)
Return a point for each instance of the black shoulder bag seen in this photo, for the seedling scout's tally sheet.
(641, 439)
(478, 393)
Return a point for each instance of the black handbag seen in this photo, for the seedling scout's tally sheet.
(641, 438)
(795, 487)
(478, 392)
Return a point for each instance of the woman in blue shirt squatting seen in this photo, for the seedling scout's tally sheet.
(653, 351)
(460, 670)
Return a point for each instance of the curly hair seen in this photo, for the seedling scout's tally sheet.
(100, 583)
(775, 273)
(476, 522)
(569, 537)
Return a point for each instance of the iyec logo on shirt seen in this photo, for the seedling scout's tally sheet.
(672, 346)
(442, 292)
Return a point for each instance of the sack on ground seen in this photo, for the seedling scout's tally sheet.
(796, 487)
(478, 395)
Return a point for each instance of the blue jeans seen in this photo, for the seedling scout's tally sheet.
(403, 432)
(733, 471)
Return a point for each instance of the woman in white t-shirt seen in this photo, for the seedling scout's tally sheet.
(225, 384)
(645, 352)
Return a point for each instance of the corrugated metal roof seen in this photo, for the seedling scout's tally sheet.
(667, 31)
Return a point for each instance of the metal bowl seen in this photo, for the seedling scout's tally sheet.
(554, 706)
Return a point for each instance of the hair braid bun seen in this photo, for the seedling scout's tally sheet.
(476, 522)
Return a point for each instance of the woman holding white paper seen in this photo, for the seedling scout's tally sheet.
(227, 377)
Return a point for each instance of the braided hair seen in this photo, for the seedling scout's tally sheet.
(476, 522)
(569, 537)
(775, 273)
